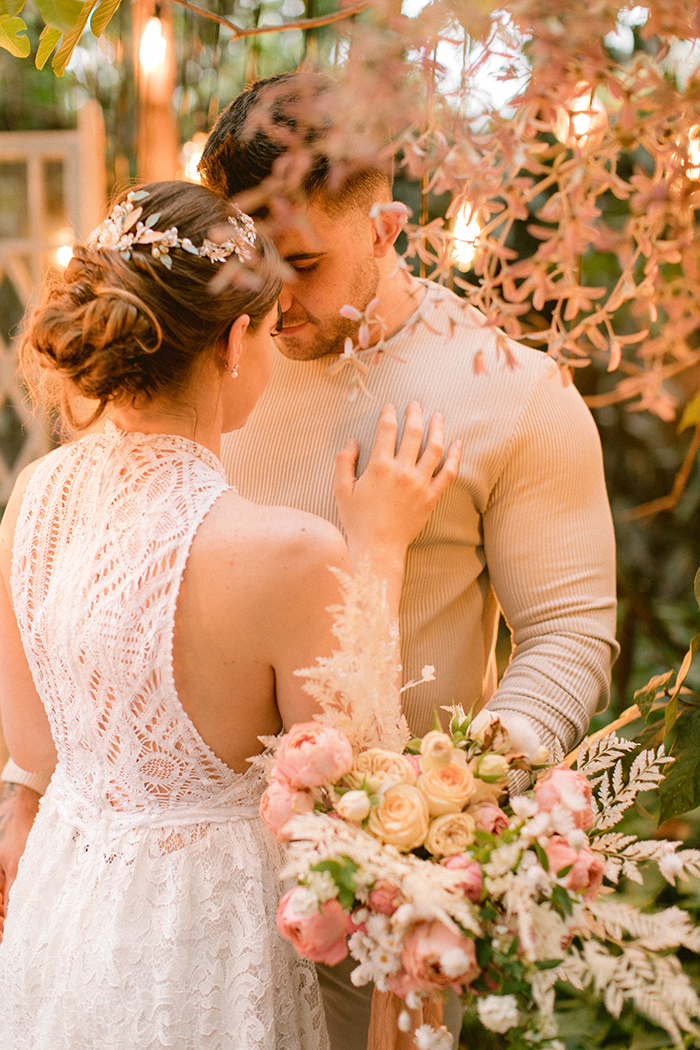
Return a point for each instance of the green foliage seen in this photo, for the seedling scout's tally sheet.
(680, 791)
(12, 36)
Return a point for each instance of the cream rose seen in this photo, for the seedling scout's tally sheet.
(435, 750)
(447, 789)
(450, 834)
(384, 767)
(401, 818)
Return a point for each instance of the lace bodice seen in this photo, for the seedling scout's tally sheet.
(105, 521)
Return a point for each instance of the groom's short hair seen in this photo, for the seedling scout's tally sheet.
(291, 114)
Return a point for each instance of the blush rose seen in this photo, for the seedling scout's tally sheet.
(435, 957)
(311, 754)
(401, 818)
(566, 787)
(320, 936)
(586, 874)
(280, 802)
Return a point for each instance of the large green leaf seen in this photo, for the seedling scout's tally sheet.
(10, 38)
(63, 55)
(645, 697)
(60, 14)
(102, 15)
(47, 42)
(11, 7)
(679, 792)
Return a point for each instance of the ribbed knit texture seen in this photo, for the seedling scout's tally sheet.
(526, 524)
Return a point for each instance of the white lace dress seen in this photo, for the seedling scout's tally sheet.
(143, 914)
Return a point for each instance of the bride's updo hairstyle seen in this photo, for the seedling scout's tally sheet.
(131, 316)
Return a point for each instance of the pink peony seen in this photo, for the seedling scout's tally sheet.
(489, 817)
(587, 867)
(311, 754)
(384, 897)
(435, 957)
(472, 880)
(279, 803)
(320, 936)
(566, 787)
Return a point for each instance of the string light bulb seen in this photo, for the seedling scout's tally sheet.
(466, 232)
(152, 49)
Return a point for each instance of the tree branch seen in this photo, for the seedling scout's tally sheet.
(303, 23)
(668, 502)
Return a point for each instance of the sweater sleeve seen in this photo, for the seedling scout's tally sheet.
(550, 551)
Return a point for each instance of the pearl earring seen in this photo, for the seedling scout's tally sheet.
(233, 372)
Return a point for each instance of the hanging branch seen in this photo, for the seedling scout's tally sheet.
(668, 502)
(303, 23)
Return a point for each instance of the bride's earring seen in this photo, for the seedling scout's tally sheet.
(233, 371)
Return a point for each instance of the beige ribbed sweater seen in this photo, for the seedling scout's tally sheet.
(526, 524)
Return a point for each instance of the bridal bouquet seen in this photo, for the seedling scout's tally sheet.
(404, 857)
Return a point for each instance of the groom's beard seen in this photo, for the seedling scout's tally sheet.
(319, 335)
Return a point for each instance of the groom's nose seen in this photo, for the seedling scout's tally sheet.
(286, 299)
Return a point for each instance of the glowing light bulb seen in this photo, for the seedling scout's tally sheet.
(466, 233)
(583, 115)
(64, 254)
(152, 50)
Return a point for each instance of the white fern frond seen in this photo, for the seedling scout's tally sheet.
(617, 795)
(356, 687)
(670, 928)
(602, 754)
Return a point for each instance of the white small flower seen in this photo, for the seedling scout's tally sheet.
(498, 1013)
(305, 901)
(577, 839)
(427, 1038)
(404, 1021)
(428, 673)
(454, 962)
(413, 1000)
(523, 806)
(323, 885)
(671, 867)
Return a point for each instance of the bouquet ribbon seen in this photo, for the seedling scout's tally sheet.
(384, 1033)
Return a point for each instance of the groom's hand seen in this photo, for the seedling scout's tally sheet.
(18, 808)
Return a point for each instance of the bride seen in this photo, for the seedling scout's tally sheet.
(151, 621)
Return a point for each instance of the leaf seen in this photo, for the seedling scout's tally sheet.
(696, 587)
(645, 697)
(47, 42)
(10, 7)
(10, 39)
(102, 15)
(672, 710)
(60, 14)
(63, 55)
(679, 792)
(691, 414)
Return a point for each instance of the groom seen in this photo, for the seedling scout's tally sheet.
(525, 528)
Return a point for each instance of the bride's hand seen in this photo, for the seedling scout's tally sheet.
(384, 510)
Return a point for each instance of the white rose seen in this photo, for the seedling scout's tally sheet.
(353, 806)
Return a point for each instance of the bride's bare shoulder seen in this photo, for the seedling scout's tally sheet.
(238, 531)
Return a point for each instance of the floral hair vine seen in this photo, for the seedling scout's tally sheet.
(123, 229)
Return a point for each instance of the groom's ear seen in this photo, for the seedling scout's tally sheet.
(387, 226)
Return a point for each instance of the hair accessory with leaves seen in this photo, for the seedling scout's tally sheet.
(124, 228)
